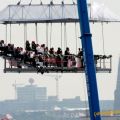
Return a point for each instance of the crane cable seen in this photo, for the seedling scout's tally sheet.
(25, 34)
(47, 34)
(10, 32)
(76, 46)
(36, 32)
(50, 35)
(76, 37)
(62, 26)
(6, 33)
(90, 5)
(65, 36)
(103, 38)
(61, 35)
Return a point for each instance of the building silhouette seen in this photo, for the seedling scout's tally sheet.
(34, 98)
(31, 93)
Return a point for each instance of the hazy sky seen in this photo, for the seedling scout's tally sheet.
(70, 85)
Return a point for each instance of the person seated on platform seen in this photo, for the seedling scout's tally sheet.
(27, 57)
(37, 48)
(59, 57)
(9, 50)
(79, 59)
(52, 56)
(39, 61)
(66, 57)
(32, 58)
(52, 52)
(17, 53)
(2, 46)
(80, 54)
(27, 46)
(1, 43)
(33, 46)
(21, 54)
(40, 49)
(96, 58)
(46, 51)
(46, 57)
(5, 50)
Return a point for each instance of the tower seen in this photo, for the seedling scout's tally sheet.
(117, 91)
(57, 77)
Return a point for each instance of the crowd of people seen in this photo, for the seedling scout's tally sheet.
(40, 55)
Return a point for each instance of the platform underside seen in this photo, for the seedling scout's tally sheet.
(52, 70)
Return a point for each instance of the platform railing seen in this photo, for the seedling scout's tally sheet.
(66, 62)
(103, 62)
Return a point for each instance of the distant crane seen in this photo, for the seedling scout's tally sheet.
(57, 77)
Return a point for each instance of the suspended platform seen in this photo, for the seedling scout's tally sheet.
(102, 64)
(53, 13)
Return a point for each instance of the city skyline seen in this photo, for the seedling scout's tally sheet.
(34, 98)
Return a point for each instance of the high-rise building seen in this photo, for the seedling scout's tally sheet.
(117, 91)
(31, 92)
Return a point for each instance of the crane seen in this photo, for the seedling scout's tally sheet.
(90, 71)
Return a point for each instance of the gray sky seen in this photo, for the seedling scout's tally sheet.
(70, 85)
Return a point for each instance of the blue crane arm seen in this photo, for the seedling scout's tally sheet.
(88, 60)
